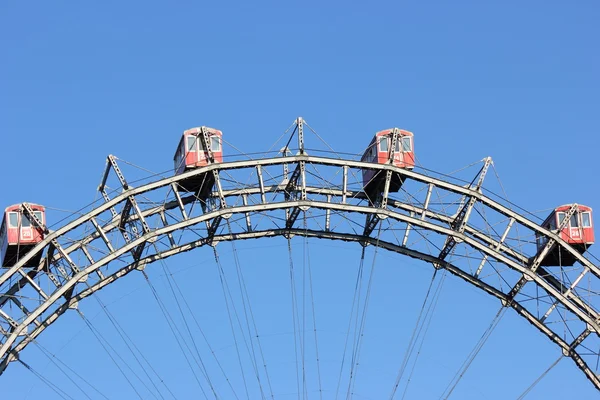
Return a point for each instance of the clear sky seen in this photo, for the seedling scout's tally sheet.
(514, 80)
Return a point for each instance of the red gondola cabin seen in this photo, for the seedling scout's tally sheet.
(579, 233)
(191, 153)
(379, 152)
(18, 234)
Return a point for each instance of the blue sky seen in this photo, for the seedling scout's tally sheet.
(518, 82)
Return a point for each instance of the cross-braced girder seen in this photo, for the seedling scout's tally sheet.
(415, 224)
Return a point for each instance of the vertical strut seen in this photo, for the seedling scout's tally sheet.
(261, 184)
(498, 245)
(179, 202)
(386, 189)
(300, 125)
(245, 202)
(407, 232)
(345, 184)
(423, 214)
(427, 199)
(219, 188)
(327, 214)
(164, 221)
(394, 141)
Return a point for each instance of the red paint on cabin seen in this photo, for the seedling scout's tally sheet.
(191, 153)
(18, 234)
(579, 233)
(379, 152)
(579, 230)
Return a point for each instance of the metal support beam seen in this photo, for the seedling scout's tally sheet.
(113, 163)
(213, 227)
(427, 200)
(496, 247)
(102, 185)
(52, 278)
(292, 183)
(13, 324)
(164, 221)
(408, 228)
(179, 202)
(33, 284)
(462, 217)
(542, 253)
(91, 260)
(205, 139)
(394, 141)
(125, 215)
(131, 203)
(138, 251)
(28, 211)
(344, 184)
(248, 223)
(370, 224)
(87, 254)
(300, 126)
(102, 235)
(107, 199)
(327, 214)
(432, 220)
(386, 189)
(219, 188)
(567, 292)
(24, 309)
(372, 219)
(569, 298)
(423, 213)
(299, 174)
(293, 215)
(261, 184)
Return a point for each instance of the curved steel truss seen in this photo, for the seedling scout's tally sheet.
(458, 228)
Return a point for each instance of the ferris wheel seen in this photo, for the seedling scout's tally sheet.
(380, 200)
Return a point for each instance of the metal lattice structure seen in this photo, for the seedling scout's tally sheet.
(460, 228)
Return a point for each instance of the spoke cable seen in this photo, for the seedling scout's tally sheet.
(360, 334)
(415, 334)
(314, 317)
(174, 330)
(248, 342)
(295, 322)
(430, 312)
(471, 357)
(187, 326)
(185, 302)
(248, 311)
(55, 360)
(51, 385)
(232, 326)
(124, 337)
(357, 288)
(99, 337)
(533, 385)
